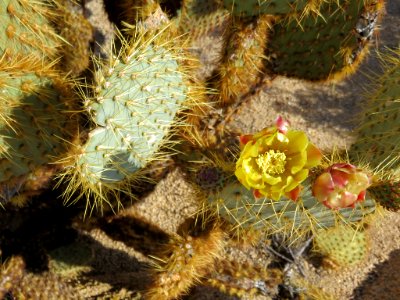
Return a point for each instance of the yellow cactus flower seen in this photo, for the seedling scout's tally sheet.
(275, 161)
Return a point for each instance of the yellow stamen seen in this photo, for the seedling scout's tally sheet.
(272, 162)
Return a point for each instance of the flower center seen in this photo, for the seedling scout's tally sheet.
(272, 162)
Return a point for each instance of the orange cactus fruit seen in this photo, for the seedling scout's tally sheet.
(275, 161)
(341, 185)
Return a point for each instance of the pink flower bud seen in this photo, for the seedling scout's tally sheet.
(282, 125)
(341, 185)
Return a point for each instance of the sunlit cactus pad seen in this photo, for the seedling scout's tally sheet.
(136, 99)
(239, 207)
(378, 141)
(342, 245)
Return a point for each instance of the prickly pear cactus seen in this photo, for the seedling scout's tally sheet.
(135, 101)
(34, 120)
(328, 45)
(198, 17)
(78, 33)
(241, 279)
(242, 65)
(186, 261)
(387, 194)
(377, 135)
(136, 10)
(342, 245)
(238, 206)
(249, 8)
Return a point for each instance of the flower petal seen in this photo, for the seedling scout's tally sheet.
(322, 186)
(294, 194)
(298, 141)
(340, 179)
(296, 162)
(244, 139)
(314, 156)
(271, 179)
(274, 161)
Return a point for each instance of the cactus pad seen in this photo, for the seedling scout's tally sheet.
(326, 46)
(25, 28)
(198, 17)
(387, 194)
(342, 245)
(248, 8)
(135, 101)
(33, 120)
(239, 207)
(242, 66)
(134, 107)
(378, 141)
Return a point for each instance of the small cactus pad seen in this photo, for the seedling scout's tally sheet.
(325, 46)
(44, 286)
(249, 8)
(342, 245)
(238, 206)
(25, 28)
(378, 139)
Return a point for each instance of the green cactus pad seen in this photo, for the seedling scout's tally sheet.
(25, 28)
(238, 206)
(387, 194)
(249, 8)
(198, 17)
(33, 125)
(325, 46)
(242, 64)
(378, 139)
(342, 245)
(134, 106)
